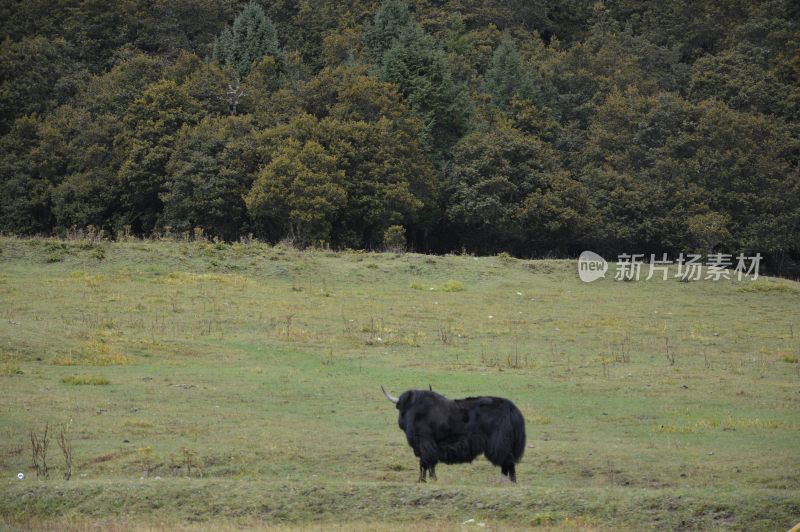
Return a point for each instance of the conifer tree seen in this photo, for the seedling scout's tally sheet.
(506, 77)
(391, 19)
(410, 58)
(251, 37)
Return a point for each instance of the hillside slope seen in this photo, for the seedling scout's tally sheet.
(239, 385)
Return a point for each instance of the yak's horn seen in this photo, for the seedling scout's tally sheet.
(430, 387)
(389, 396)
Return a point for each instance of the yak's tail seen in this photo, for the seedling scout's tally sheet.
(518, 430)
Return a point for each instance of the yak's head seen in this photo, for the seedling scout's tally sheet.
(406, 399)
(402, 403)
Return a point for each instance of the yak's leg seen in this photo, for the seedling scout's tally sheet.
(512, 473)
(428, 456)
(509, 471)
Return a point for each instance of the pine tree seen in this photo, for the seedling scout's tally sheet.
(410, 58)
(391, 19)
(506, 77)
(252, 37)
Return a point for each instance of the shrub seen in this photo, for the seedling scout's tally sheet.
(505, 257)
(394, 238)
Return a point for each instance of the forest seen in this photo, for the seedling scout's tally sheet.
(536, 128)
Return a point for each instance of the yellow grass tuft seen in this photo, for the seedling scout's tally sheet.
(7, 370)
(85, 380)
(188, 278)
(93, 353)
(453, 286)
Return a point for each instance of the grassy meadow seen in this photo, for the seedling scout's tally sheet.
(222, 386)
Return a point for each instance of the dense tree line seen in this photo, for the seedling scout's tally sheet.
(534, 127)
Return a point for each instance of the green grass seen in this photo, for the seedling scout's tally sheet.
(244, 389)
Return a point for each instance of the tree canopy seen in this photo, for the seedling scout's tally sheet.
(536, 128)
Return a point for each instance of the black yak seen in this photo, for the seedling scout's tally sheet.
(457, 431)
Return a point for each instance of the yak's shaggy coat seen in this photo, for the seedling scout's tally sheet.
(439, 429)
